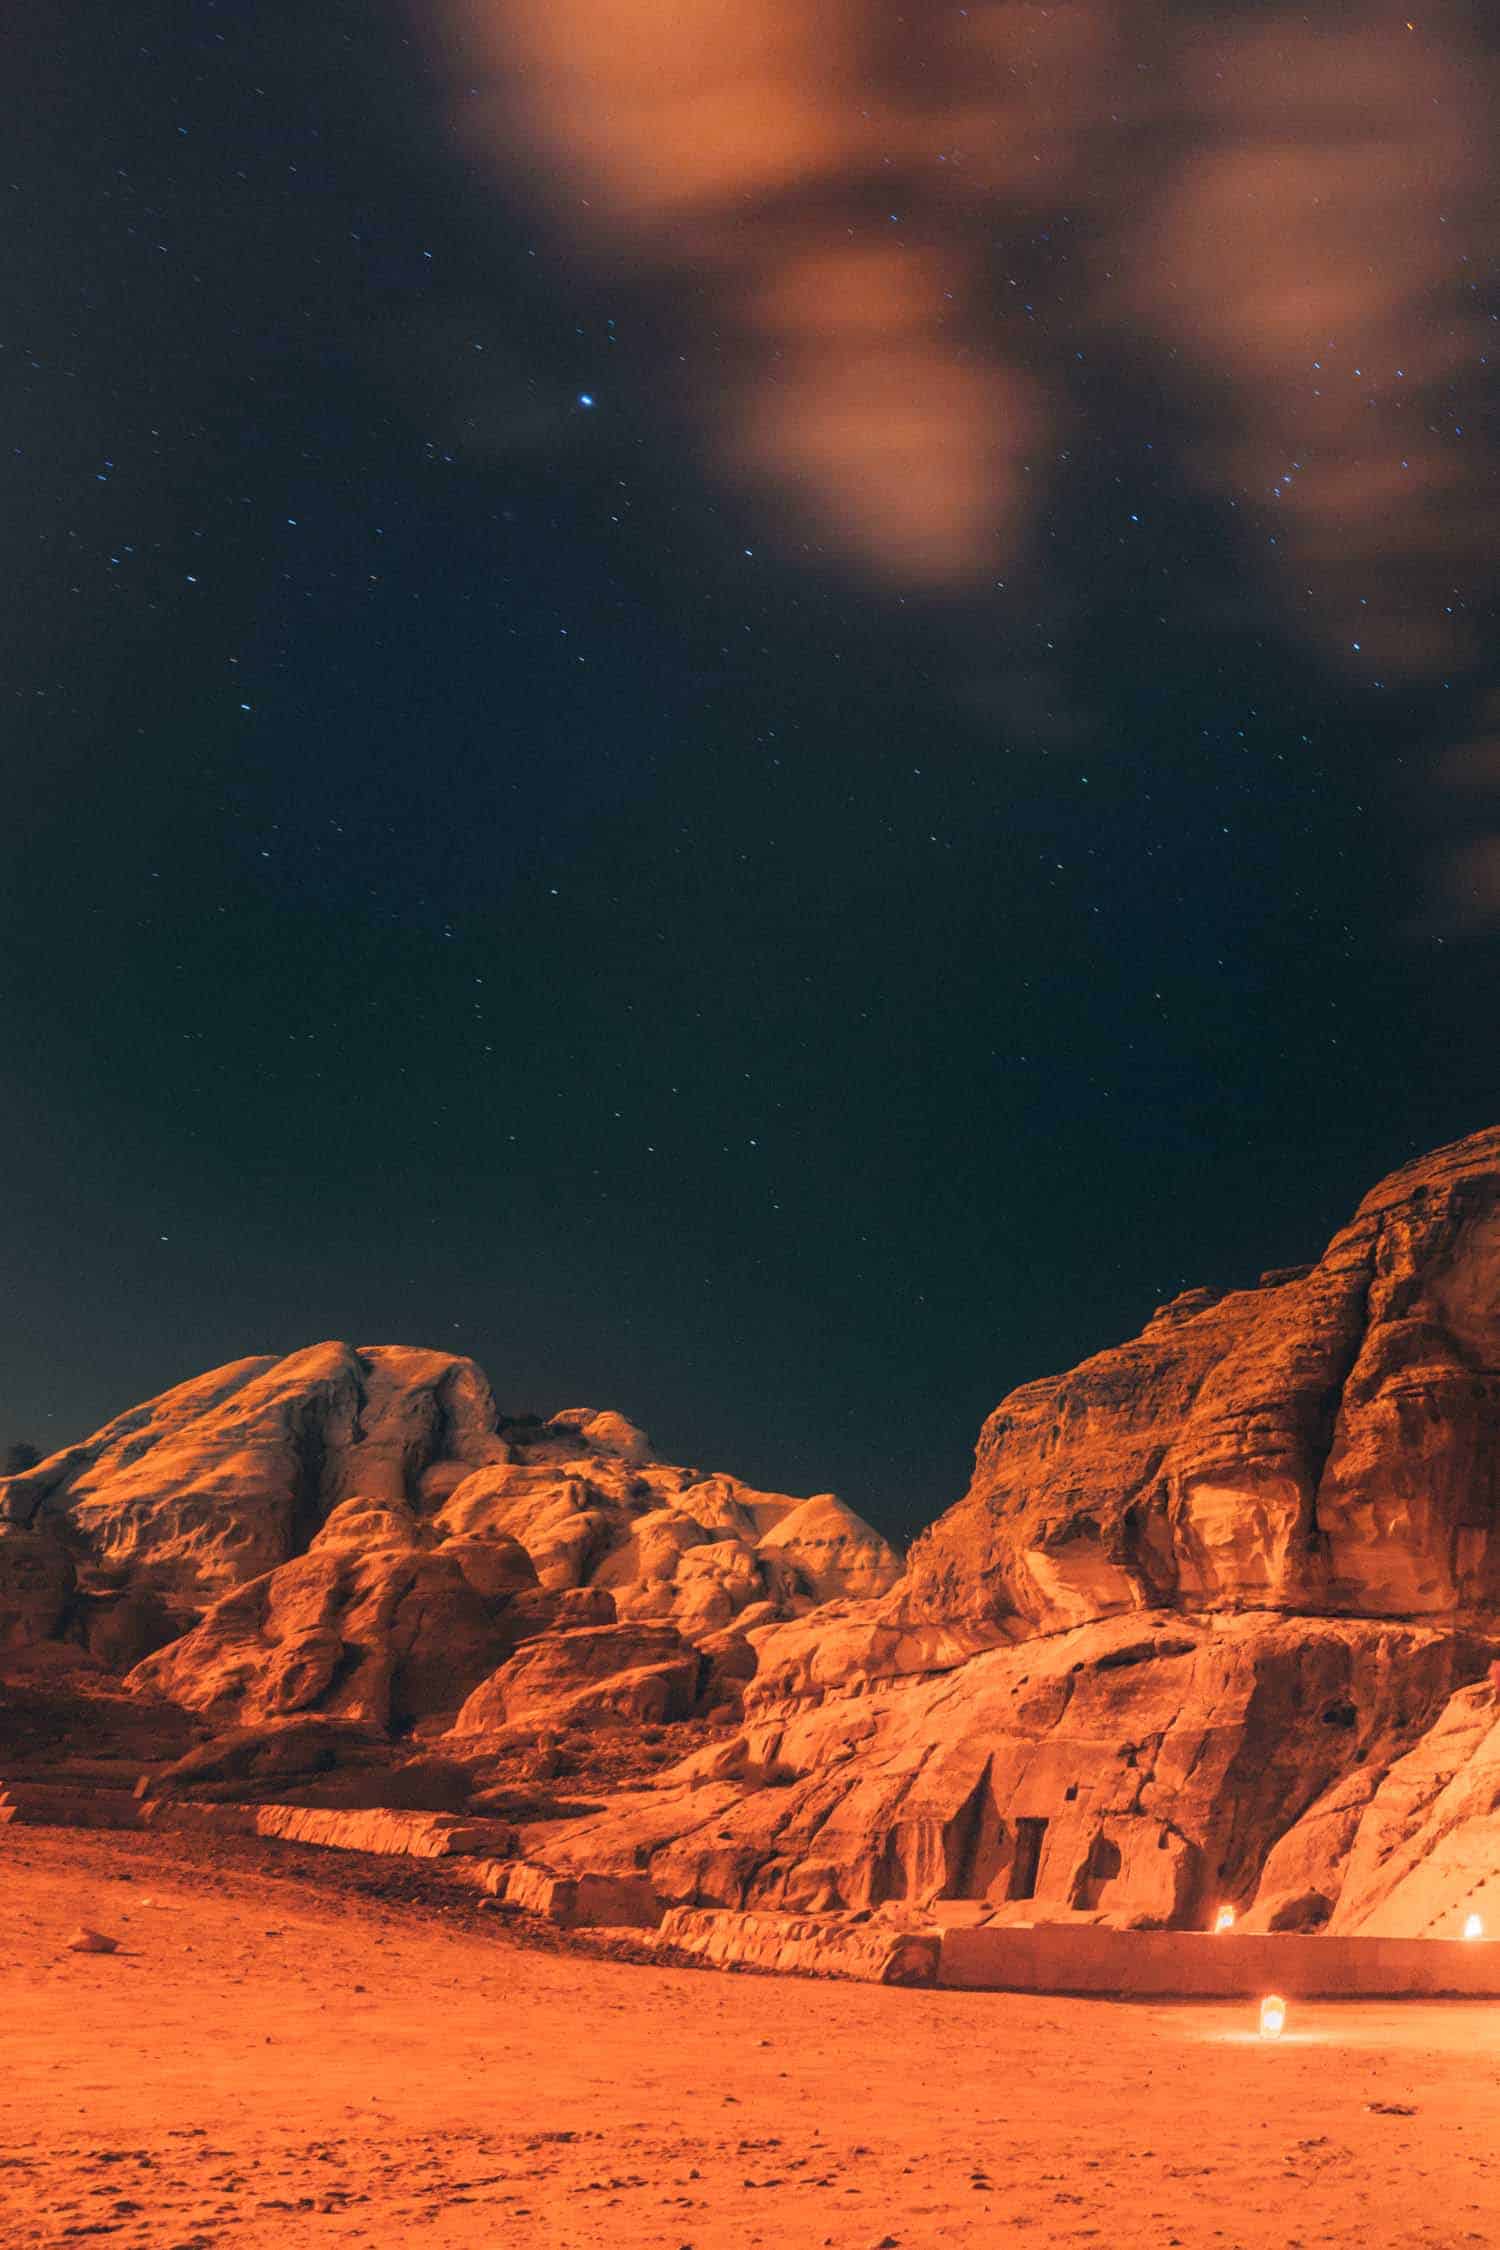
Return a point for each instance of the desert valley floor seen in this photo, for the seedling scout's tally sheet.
(291, 2053)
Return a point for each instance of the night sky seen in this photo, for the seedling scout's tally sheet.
(765, 712)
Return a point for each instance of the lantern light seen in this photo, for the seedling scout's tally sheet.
(1224, 1919)
(1272, 2016)
(1474, 1927)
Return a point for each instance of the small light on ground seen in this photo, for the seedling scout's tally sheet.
(1474, 1927)
(1224, 1919)
(1272, 2016)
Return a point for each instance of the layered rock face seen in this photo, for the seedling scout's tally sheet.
(1216, 1623)
(362, 1533)
(1328, 1442)
(642, 1673)
(1137, 1770)
(1211, 1627)
(1410, 1850)
(374, 1624)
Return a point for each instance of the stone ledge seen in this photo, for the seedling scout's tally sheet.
(415, 1835)
(808, 1944)
(388, 1834)
(48, 1804)
(572, 1901)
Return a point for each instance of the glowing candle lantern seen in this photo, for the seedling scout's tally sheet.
(1272, 2016)
(1474, 1927)
(1224, 1919)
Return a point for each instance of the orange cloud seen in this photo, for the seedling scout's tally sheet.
(744, 149)
(1306, 257)
(1274, 210)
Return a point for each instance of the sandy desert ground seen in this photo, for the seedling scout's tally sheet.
(276, 2056)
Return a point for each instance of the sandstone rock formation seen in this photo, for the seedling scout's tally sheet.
(811, 1945)
(1408, 1851)
(1214, 1625)
(593, 1675)
(1323, 1443)
(1136, 1769)
(1210, 1627)
(374, 1624)
(363, 1534)
(572, 1901)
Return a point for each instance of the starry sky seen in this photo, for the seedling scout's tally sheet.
(765, 712)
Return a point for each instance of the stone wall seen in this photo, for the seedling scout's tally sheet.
(1194, 1964)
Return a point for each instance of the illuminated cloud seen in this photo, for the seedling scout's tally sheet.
(1281, 221)
(1310, 257)
(750, 152)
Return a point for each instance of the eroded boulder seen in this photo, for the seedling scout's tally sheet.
(247, 1480)
(371, 1625)
(612, 1675)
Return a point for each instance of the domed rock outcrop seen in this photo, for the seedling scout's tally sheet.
(834, 1553)
(593, 1675)
(223, 1478)
(363, 1533)
(375, 1624)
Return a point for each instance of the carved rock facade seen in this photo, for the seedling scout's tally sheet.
(1213, 1626)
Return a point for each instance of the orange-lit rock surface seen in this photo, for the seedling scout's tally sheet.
(363, 1533)
(595, 1675)
(1408, 1849)
(1325, 1443)
(812, 1945)
(1209, 1627)
(374, 1624)
(1213, 1625)
(1137, 1768)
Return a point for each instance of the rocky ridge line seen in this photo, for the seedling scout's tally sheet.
(1216, 1624)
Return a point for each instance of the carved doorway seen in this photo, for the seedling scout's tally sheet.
(1027, 1858)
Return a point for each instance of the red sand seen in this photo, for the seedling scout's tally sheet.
(269, 2062)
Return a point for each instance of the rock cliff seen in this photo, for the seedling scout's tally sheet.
(1324, 1443)
(1215, 1625)
(362, 1533)
(1211, 1627)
